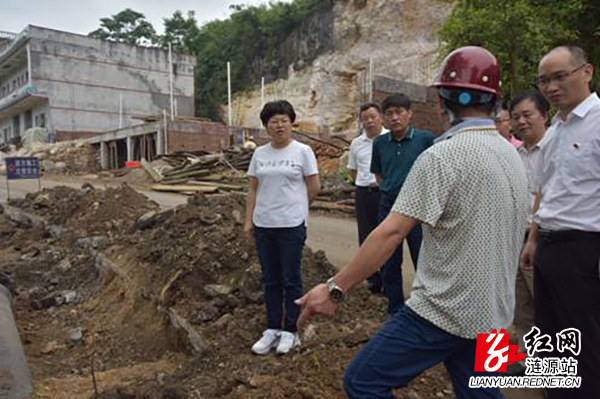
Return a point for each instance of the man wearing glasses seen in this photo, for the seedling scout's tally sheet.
(563, 246)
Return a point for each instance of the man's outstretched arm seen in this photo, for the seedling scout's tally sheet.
(376, 249)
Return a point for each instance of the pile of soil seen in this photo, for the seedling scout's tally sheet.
(169, 306)
(75, 214)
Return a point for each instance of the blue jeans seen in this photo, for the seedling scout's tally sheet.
(280, 255)
(405, 346)
(391, 271)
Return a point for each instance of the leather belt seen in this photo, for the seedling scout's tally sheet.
(568, 235)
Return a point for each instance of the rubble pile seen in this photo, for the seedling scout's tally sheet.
(168, 306)
(98, 216)
(66, 157)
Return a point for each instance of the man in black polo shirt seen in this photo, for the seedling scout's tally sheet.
(394, 154)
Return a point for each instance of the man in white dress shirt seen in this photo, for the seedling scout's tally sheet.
(367, 195)
(564, 241)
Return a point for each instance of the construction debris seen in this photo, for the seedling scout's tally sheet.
(67, 157)
(169, 304)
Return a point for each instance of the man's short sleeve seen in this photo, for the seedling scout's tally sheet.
(376, 157)
(538, 172)
(427, 189)
(310, 166)
(252, 167)
(352, 163)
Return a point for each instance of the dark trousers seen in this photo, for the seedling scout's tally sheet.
(567, 295)
(392, 268)
(406, 346)
(366, 205)
(280, 255)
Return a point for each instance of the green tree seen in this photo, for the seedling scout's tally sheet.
(128, 26)
(182, 32)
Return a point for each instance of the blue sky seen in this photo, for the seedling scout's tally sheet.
(83, 16)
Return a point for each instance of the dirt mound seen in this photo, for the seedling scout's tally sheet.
(87, 214)
(169, 306)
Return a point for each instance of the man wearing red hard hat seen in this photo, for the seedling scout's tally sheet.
(469, 193)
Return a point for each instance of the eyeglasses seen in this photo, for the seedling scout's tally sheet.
(560, 76)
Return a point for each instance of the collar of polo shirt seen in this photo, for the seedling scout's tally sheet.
(409, 135)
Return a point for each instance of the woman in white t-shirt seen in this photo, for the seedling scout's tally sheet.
(283, 181)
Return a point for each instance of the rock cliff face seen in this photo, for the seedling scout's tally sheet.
(398, 36)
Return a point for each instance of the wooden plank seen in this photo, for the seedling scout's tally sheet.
(184, 188)
(326, 206)
(150, 170)
(195, 173)
(218, 185)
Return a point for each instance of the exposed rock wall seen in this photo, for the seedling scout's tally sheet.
(398, 35)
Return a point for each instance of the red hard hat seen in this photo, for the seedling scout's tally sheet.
(472, 68)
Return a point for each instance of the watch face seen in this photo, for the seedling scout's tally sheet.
(336, 295)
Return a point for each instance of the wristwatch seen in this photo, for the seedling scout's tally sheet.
(336, 294)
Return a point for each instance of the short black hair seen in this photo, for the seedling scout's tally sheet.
(370, 105)
(281, 107)
(396, 100)
(536, 97)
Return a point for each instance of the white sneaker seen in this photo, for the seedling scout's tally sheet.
(269, 340)
(287, 342)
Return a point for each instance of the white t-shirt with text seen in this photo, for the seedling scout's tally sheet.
(282, 195)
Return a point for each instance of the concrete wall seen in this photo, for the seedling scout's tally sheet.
(85, 78)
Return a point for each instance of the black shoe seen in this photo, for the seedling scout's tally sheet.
(517, 369)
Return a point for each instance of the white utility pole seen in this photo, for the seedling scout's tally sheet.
(230, 114)
(370, 79)
(29, 77)
(171, 81)
(166, 134)
(262, 92)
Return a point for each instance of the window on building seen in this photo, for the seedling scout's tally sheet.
(14, 84)
(27, 76)
(42, 120)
